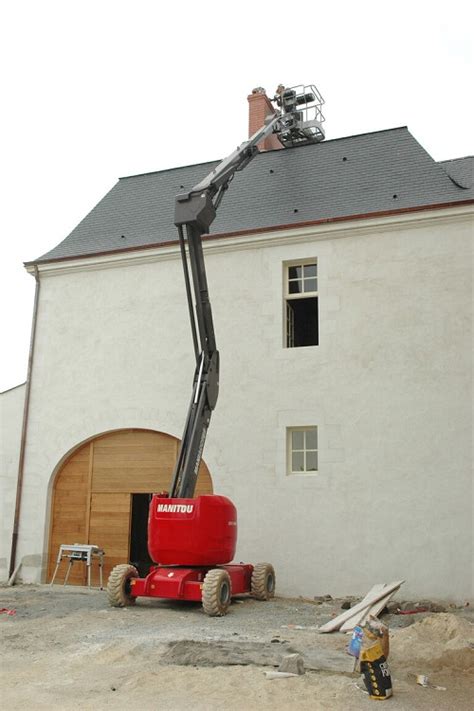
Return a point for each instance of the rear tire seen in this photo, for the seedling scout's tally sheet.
(118, 585)
(216, 592)
(263, 582)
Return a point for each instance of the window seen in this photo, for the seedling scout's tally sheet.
(302, 450)
(301, 304)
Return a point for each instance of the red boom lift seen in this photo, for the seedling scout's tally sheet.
(193, 540)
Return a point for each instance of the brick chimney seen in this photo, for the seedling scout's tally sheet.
(260, 107)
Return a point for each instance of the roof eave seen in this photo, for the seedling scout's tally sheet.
(260, 230)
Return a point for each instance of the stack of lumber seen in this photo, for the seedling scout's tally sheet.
(372, 604)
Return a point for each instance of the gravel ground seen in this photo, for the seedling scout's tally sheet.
(66, 648)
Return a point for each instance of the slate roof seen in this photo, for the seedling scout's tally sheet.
(358, 175)
(460, 170)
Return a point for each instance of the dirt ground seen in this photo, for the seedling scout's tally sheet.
(65, 648)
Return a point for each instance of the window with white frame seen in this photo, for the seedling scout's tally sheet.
(301, 304)
(302, 445)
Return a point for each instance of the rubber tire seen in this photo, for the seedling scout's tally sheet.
(263, 582)
(117, 585)
(216, 592)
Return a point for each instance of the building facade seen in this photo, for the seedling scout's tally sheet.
(343, 427)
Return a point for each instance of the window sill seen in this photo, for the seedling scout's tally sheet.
(299, 348)
(302, 475)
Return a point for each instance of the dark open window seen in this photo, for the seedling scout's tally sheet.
(302, 323)
(139, 533)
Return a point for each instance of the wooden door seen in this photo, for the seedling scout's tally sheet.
(92, 493)
(109, 528)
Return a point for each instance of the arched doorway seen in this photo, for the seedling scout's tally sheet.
(100, 496)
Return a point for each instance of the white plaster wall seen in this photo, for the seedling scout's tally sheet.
(389, 387)
(11, 417)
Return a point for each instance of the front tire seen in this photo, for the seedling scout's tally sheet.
(216, 592)
(118, 585)
(263, 582)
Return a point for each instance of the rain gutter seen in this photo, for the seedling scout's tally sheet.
(21, 462)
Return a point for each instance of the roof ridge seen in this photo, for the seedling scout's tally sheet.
(168, 170)
(450, 160)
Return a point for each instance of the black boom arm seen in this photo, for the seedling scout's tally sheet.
(194, 213)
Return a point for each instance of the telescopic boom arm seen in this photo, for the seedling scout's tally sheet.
(194, 213)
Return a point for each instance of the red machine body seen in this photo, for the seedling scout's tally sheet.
(178, 583)
(187, 538)
(188, 532)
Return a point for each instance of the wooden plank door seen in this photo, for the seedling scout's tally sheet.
(109, 528)
(92, 493)
(69, 525)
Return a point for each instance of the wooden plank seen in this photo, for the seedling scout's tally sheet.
(80, 455)
(111, 501)
(133, 437)
(72, 526)
(368, 601)
(73, 482)
(361, 617)
(124, 471)
(153, 446)
(106, 468)
(156, 454)
(69, 491)
(71, 504)
(76, 468)
(375, 610)
(379, 587)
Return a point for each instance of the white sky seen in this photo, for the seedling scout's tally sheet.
(94, 90)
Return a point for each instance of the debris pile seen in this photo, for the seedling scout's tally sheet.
(441, 641)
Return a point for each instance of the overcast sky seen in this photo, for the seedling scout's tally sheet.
(94, 90)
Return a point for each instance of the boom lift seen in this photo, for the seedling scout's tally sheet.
(193, 540)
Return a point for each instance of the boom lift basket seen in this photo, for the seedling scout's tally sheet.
(302, 115)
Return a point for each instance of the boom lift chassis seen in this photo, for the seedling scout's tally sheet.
(191, 539)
